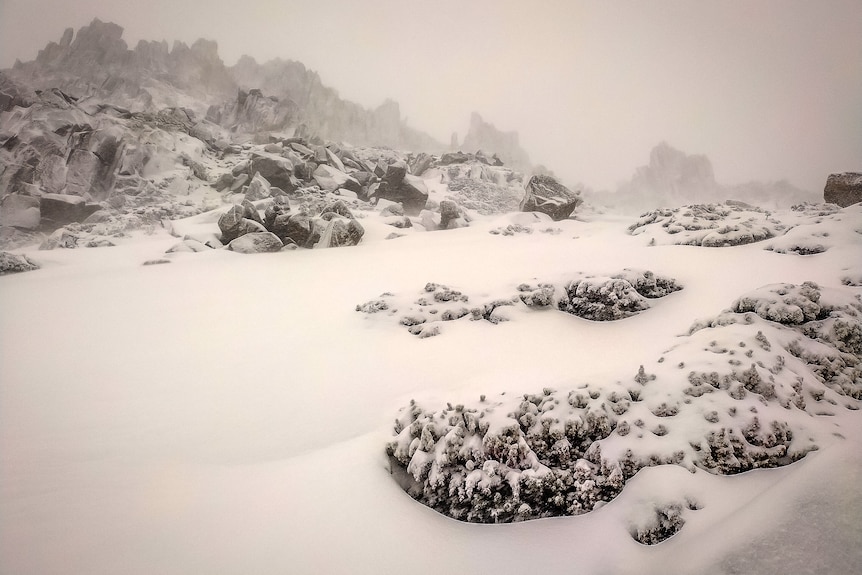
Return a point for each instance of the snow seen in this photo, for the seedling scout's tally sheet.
(230, 413)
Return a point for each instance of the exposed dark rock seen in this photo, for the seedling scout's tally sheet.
(60, 209)
(843, 189)
(340, 233)
(229, 222)
(410, 192)
(451, 215)
(277, 170)
(544, 194)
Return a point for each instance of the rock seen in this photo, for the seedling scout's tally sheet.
(420, 164)
(224, 182)
(239, 182)
(61, 209)
(20, 212)
(272, 212)
(400, 222)
(12, 263)
(330, 179)
(277, 170)
(256, 243)
(61, 238)
(250, 212)
(334, 160)
(450, 213)
(301, 149)
(544, 194)
(240, 168)
(843, 189)
(229, 222)
(258, 188)
(188, 245)
(410, 191)
(340, 208)
(340, 233)
(297, 229)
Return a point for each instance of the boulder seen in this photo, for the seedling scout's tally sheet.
(188, 245)
(330, 179)
(61, 238)
(256, 243)
(258, 188)
(340, 208)
(250, 212)
(297, 229)
(340, 233)
(451, 216)
(60, 209)
(13, 263)
(20, 212)
(410, 191)
(272, 212)
(545, 194)
(843, 189)
(229, 222)
(277, 170)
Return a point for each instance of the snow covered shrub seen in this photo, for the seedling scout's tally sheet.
(490, 464)
(602, 299)
(537, 297)
(619, 296)
(708, 225)
(666, 523)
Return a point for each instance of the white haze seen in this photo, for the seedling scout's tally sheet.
(767, 90)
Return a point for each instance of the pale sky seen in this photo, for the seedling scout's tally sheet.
(768, 89)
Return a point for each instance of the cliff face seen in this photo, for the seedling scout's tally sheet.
(95, 66)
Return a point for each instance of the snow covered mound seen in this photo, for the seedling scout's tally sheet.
(819, 228)
(753, 387)
(601, 299)
(736, 223)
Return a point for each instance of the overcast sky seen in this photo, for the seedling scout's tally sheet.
(766, 89)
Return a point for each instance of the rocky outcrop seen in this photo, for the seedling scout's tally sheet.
(545, 194)
(843, 189)
(20, 211)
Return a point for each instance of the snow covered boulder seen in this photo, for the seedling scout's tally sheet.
(451, 216)
(12, 263)
(545, 194)
(229, 223)
(256, 243)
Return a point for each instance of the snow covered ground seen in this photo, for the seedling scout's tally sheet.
(228, 413)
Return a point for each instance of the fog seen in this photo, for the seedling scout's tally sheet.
(767, 90)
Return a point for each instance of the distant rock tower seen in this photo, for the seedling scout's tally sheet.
(453, 142)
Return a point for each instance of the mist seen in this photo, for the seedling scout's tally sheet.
(766, 90)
